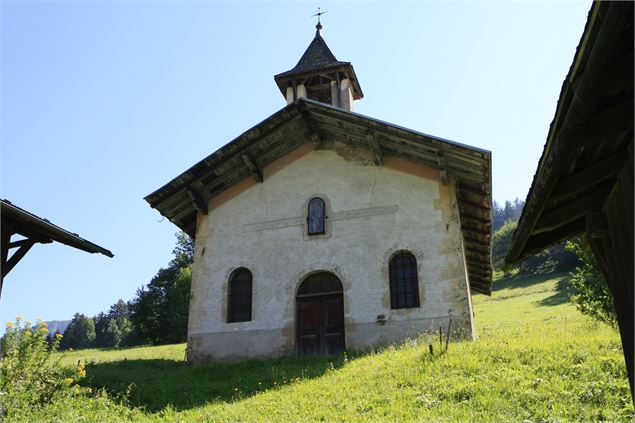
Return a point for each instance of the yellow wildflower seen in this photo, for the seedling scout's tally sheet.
(44, 330)
(59, 335)
(10, 325)
(76, 390)
(27, 333)
(69, 380)
(81, 369)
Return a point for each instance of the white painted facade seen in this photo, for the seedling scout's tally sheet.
(373, 212)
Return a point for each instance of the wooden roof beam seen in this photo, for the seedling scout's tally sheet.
(468, 203)
(197, 200)
(476, 241)
(572, 210)
(442, 167)
(371, 138)
(315, 137)
(582, 179)
(475, 230)
(478, 265)
(23, 242)
(467, 188)
(465, 216)
(253, 167)
(537, 243)
(9, 264)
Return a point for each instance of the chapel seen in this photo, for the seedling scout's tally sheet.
(321, 230)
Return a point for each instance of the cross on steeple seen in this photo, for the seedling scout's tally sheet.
(319, 13)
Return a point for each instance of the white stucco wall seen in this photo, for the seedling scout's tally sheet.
(373, 212)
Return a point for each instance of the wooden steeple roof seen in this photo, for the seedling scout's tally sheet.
(317, 59)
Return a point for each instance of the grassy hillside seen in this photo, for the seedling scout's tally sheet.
(536, 359)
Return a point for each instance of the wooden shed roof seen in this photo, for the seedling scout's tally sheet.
(180, 199)
(589, 136)
(16, 220)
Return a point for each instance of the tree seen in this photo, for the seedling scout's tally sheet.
(556, 258)
(112, 334)
(501, 241)
(184, 247)
(160, 310)
(101, 325)
(112, 328)
(80, 333)
(591, 294)
(178, 306)
(511, 211)
(120, 312)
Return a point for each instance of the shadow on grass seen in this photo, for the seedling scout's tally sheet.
(524, 281)
(560, 296)
(157, 383)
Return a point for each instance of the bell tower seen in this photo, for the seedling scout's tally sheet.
(321, 77)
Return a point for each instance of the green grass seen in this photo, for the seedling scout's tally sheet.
(536, 359)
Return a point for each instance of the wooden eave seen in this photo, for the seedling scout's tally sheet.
(307, 120)
(590, 136)
(16, 220)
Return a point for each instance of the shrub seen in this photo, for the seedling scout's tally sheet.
(591, 294)
(28, 378)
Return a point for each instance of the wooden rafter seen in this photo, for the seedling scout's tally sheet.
(467, 203)
(371, 138)
(197, 200)
(442, 167)
(315, 137)
(559, 216)
(467, 188)
(580, 180)
(253, 167)
(17, 256)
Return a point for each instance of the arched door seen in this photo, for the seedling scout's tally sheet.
(320, 315)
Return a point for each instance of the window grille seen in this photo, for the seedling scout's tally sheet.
(239, 309)
(316, 216)
(404, 283)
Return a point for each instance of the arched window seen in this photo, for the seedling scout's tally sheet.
(404, 283)
(316, 216)
(239, 305)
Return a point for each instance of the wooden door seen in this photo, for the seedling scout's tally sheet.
(309, 322)
(333, 324)
(320, 316)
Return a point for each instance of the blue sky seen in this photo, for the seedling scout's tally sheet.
(104, 102)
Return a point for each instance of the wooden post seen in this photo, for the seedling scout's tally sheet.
(338, 85)
(6, 238)
(17, 256)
